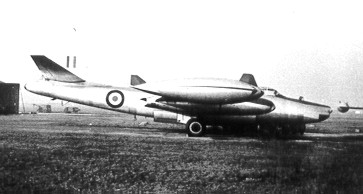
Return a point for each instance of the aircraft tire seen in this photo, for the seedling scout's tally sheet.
(195, 128)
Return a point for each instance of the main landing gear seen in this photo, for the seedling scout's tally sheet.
(195, 128)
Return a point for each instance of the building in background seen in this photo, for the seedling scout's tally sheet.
(9, 98)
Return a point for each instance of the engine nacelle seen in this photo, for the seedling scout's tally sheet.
(205, 91)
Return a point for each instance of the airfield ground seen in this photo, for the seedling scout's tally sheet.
(62, 153)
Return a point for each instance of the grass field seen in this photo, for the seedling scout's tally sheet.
(114, 153)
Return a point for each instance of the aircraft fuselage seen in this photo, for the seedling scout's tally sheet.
(196, 102)
(266, 109)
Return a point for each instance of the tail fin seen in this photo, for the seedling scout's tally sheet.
(53, 71)
(248, 78)
(136, 80)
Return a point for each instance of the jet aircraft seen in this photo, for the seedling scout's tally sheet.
(195, 102)
(344, 107)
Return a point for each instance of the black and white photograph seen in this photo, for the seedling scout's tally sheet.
(166, 97)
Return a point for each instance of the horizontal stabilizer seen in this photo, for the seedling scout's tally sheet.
(53, 71)
(248, 78)
(136, 80)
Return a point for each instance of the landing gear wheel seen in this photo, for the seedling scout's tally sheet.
(195, 128)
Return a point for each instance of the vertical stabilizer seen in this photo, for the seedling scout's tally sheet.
(53, 71)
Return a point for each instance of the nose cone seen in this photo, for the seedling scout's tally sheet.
(325, 114)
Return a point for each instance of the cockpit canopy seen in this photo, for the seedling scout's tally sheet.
(271, 92)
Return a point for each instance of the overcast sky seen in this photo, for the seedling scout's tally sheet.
(301, 48)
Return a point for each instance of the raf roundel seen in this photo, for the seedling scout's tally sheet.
(115, 99)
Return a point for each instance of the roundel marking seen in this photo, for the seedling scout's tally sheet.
(115, 99)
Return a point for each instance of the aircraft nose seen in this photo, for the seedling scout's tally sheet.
(323, 117)
(330, 111)
(326, 114)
